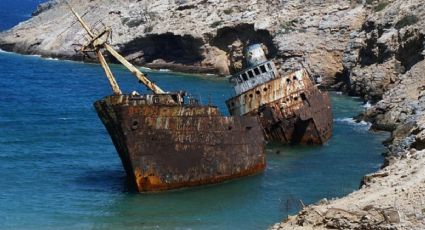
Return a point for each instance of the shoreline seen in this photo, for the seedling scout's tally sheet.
(146, 69)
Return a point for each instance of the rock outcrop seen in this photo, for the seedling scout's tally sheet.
(389, 44)
(198, 35)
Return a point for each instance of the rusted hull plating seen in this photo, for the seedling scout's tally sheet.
(166, 147)
(291, 109)
(310, 124)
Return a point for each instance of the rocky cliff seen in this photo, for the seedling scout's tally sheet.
(198, 35)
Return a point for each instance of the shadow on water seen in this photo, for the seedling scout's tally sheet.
(113, 180)
(191, 208)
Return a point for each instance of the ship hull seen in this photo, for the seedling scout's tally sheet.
(291, 109)
(165, 147)
(311, 123)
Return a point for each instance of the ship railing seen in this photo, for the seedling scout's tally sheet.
(135, 99)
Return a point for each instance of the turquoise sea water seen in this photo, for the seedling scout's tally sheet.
(59, 169)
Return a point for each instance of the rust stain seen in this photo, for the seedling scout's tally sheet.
(167, 146)
(291, 109)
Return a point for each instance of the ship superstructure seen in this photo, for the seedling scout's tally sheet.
(291, 108)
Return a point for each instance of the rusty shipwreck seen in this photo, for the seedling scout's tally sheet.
(291, 108)
(168, 141)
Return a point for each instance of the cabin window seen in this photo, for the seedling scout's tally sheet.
(295, 78)
(263, 69)
(250, 95)
(251, 75)
(257, 71)
(257, 92)
(239, 79)
(245, 77)
(270, 66)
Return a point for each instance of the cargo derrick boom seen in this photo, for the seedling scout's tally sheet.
(100, 41)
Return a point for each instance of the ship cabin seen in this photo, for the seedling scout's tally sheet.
(254, 76)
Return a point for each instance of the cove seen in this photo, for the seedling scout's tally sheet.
(59, 169)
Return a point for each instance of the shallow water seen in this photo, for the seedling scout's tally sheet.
(59, 169)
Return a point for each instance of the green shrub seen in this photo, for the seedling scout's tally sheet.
(406, 21)
(215, 24)
(381, 6)
(228, 11)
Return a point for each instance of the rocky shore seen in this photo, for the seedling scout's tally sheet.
(373, 49)
(384, 64)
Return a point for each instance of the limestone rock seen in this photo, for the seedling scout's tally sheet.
(198, 35)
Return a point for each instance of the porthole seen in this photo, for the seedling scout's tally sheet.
(134, 124)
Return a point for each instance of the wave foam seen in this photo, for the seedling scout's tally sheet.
(145, 69)
(367, 105)
(351, 121)
(52, 59)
